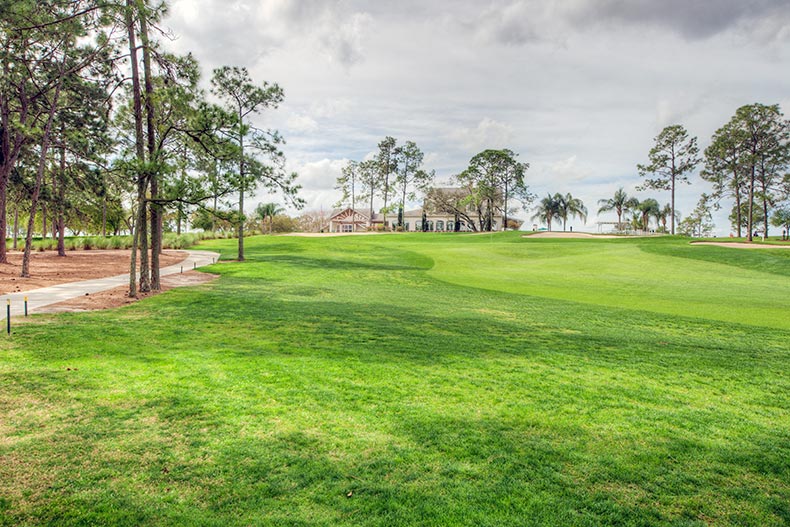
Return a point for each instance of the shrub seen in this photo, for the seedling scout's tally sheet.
(72, 244)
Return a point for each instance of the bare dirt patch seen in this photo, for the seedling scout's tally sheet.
(47, 268)
(119, 296)
(742, 245)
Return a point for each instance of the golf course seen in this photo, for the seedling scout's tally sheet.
(414, 379)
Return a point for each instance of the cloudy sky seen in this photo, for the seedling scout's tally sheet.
(578, 88)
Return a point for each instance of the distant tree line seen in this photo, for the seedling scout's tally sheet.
(747, 162)
(394, 176)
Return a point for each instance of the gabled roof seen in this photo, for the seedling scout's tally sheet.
(365, 213)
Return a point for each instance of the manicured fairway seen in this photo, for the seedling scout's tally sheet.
(415, 380)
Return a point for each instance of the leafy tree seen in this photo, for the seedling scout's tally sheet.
(646, 209)
(671, 160)
(548, 209)
(244, 98)
(42, 44)
(213, 220)
(726, 165)
(662, 215)
(410, 177)
(781, 218)
(457, 202)
(700, 222)
(312, 221)
(369, 180)
(493, 177)
(347, 184)
(766, 141)
(570, 207)
(268, 211)
(620, 203)
(387, 160)
(741, 217)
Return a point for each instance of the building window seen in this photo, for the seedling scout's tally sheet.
(440, 225)
(406, 226)
(348, 228)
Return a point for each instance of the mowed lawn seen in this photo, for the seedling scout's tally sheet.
(414, 380)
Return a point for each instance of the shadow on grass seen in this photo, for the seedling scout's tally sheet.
(432, 470)
(345, 265)
(773, 261)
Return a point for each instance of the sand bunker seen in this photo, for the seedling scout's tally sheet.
(742, 245)
(553, 234)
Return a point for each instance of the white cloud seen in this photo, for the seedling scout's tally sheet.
(344, 43)
(301, 123)
(461, 76)
(487, 134)
(329, 108)
(567, 171)
(320, 175)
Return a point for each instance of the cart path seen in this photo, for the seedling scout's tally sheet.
(44, 296)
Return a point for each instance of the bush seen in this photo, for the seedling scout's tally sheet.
(174, 241)
(44, 245)
(73, 244)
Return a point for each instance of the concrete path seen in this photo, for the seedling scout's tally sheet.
(37, 298)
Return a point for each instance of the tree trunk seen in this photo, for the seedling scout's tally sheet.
(16, 225)
(504, 227)
(42, 164)
(57, 212)
(738, 215)
(6, 163)
(402, 204)
(386, 189)
(353, 204)
(104, 215)
(370, 221)
(241, 225)
(765, 211)
(241, 189)
(153, 176)
(139, 226)
(61, 212)
(43, 221)
(750, 219)
(673, 201)
(214, 216)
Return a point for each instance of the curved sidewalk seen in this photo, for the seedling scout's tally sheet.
(44, 296)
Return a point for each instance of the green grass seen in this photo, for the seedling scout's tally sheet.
(414, 380)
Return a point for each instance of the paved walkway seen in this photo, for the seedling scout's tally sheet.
(44, 296)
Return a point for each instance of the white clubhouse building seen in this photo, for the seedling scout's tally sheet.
(360, 220)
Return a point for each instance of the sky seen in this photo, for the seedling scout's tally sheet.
(578, 88)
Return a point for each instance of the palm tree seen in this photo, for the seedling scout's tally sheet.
(570, 206)
(547, 209)
(647, 209)
(267, 210)
(620, 203)
(664, 213)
